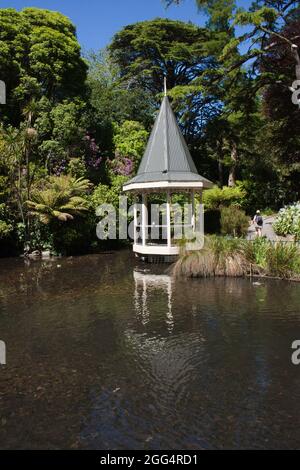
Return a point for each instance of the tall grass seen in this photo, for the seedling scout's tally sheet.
(283, 260)
(220, 257)
(237, 258)
(256, 251)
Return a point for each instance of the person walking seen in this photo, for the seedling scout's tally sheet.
(258, 222)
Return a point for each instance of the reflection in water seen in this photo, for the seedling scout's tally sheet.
(111, 356)
(143, 282)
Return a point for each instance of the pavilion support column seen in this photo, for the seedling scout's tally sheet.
(169, 219)
(201, 214)
(193, 218)
(144, 219)
(135, 221)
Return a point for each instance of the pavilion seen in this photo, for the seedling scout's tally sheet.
(166, 167)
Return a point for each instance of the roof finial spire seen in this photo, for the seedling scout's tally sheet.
(165, 85)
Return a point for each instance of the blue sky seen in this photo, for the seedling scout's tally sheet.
(97, 20)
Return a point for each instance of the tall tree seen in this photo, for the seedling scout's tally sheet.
(40, 56)
(112, 100)
(146, 52)
(17, 164)
(149, 50)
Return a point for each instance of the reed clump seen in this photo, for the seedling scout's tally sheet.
(230, 257)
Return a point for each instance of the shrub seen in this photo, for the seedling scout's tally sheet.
(5, 229)
(75, 237)
(283, 260)
(77, 168)
(216, 197)
(288, 221)
(61, 198)
(234, 221)
(268, 211)
(256, 251)
(104, 194)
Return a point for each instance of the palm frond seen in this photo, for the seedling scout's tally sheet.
(61, 199)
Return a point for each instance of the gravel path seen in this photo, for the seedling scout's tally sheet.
(267, 229)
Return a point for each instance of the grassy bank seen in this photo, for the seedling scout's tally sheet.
(231, 257)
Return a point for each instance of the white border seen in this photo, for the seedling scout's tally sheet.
(156, 249)
(164, 185)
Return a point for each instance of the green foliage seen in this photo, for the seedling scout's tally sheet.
(110, 101)
(261, 194)
(18, 165)
(67, 122)
(76, 237)
(104, 194)
(149, 50)
(61, 129)
(255, 69)
(278, 259)
(267, 212)
(234, 221)
(283, 260)
(60, 199)
(288, 221)
(77, 168)
(5, 229)
(256, 251)
(130, 139)
(257, 18)
(217, 197)
(233, 104)
(40, 56)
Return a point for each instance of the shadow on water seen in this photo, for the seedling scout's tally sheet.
(106, 353)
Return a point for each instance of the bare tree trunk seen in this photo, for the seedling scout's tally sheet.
(234, 159)
(297, 59)
(28, 238)
(220, 171)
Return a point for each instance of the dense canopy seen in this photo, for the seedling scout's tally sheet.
(71, 117)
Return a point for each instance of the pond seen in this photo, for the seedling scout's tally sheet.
(104, 352)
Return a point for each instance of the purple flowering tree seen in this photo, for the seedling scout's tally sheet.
(93, 158)
(122, 166)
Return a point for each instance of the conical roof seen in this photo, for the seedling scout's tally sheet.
(167, 157)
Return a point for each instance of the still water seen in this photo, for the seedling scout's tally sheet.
(104, 352)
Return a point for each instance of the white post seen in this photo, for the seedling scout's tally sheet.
(135, 237)
(144, 218)
(169, 219)
(201, 214)
(193, 218)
